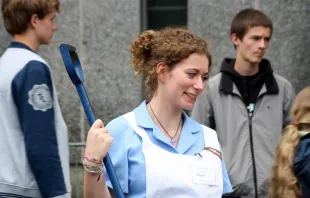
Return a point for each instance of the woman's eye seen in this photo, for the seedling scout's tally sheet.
(191, 75)
(205, 78)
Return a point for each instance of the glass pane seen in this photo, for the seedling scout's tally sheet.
(154, 3)
(160, 19)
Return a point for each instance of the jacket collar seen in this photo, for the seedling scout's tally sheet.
(15, 44)
(227, 85)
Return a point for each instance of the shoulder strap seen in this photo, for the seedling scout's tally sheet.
(130, 117)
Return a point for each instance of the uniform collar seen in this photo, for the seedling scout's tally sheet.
(187, 138)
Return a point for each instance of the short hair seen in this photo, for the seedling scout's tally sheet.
(168, 45)
(248, 18)
(17, 13)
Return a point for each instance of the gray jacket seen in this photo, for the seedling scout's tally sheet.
(248, 142)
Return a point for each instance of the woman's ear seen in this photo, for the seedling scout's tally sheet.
(162, 71)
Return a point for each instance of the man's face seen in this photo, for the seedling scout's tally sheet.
(45, 28)
(253, 45)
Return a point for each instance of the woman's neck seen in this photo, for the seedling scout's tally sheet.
(168, 115)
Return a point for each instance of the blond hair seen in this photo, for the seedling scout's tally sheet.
(284, 183)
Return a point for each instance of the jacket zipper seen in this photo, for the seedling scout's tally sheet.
(250, 109)
(250, 115)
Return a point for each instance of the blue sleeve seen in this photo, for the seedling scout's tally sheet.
(118, 151)
(32, 92)
(302, 165)
(226, 182)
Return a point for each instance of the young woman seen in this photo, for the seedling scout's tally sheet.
(158, 151)
(291, 173)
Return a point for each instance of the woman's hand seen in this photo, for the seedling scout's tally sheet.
(98, 141)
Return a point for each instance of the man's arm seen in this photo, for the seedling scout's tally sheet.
(32, 91)
(203, 110)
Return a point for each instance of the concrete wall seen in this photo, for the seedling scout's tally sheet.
(288, 52)
(102, 30)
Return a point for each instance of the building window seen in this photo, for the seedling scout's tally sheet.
(157, 14)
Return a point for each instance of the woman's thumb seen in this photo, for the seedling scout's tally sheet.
(97, 124)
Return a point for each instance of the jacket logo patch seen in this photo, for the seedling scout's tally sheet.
(40, 97)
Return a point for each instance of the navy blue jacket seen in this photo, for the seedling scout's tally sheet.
(302, 165)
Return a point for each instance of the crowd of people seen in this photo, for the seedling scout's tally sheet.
(247, 134)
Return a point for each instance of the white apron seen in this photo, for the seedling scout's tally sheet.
(180, 176)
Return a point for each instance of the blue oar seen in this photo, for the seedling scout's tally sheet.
(75, 72)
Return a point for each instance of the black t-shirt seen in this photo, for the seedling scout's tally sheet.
(249, 86)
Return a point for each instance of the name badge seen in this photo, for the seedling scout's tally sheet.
(203, 175)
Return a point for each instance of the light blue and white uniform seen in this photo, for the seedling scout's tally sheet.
(147, 164)
(34, 153)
